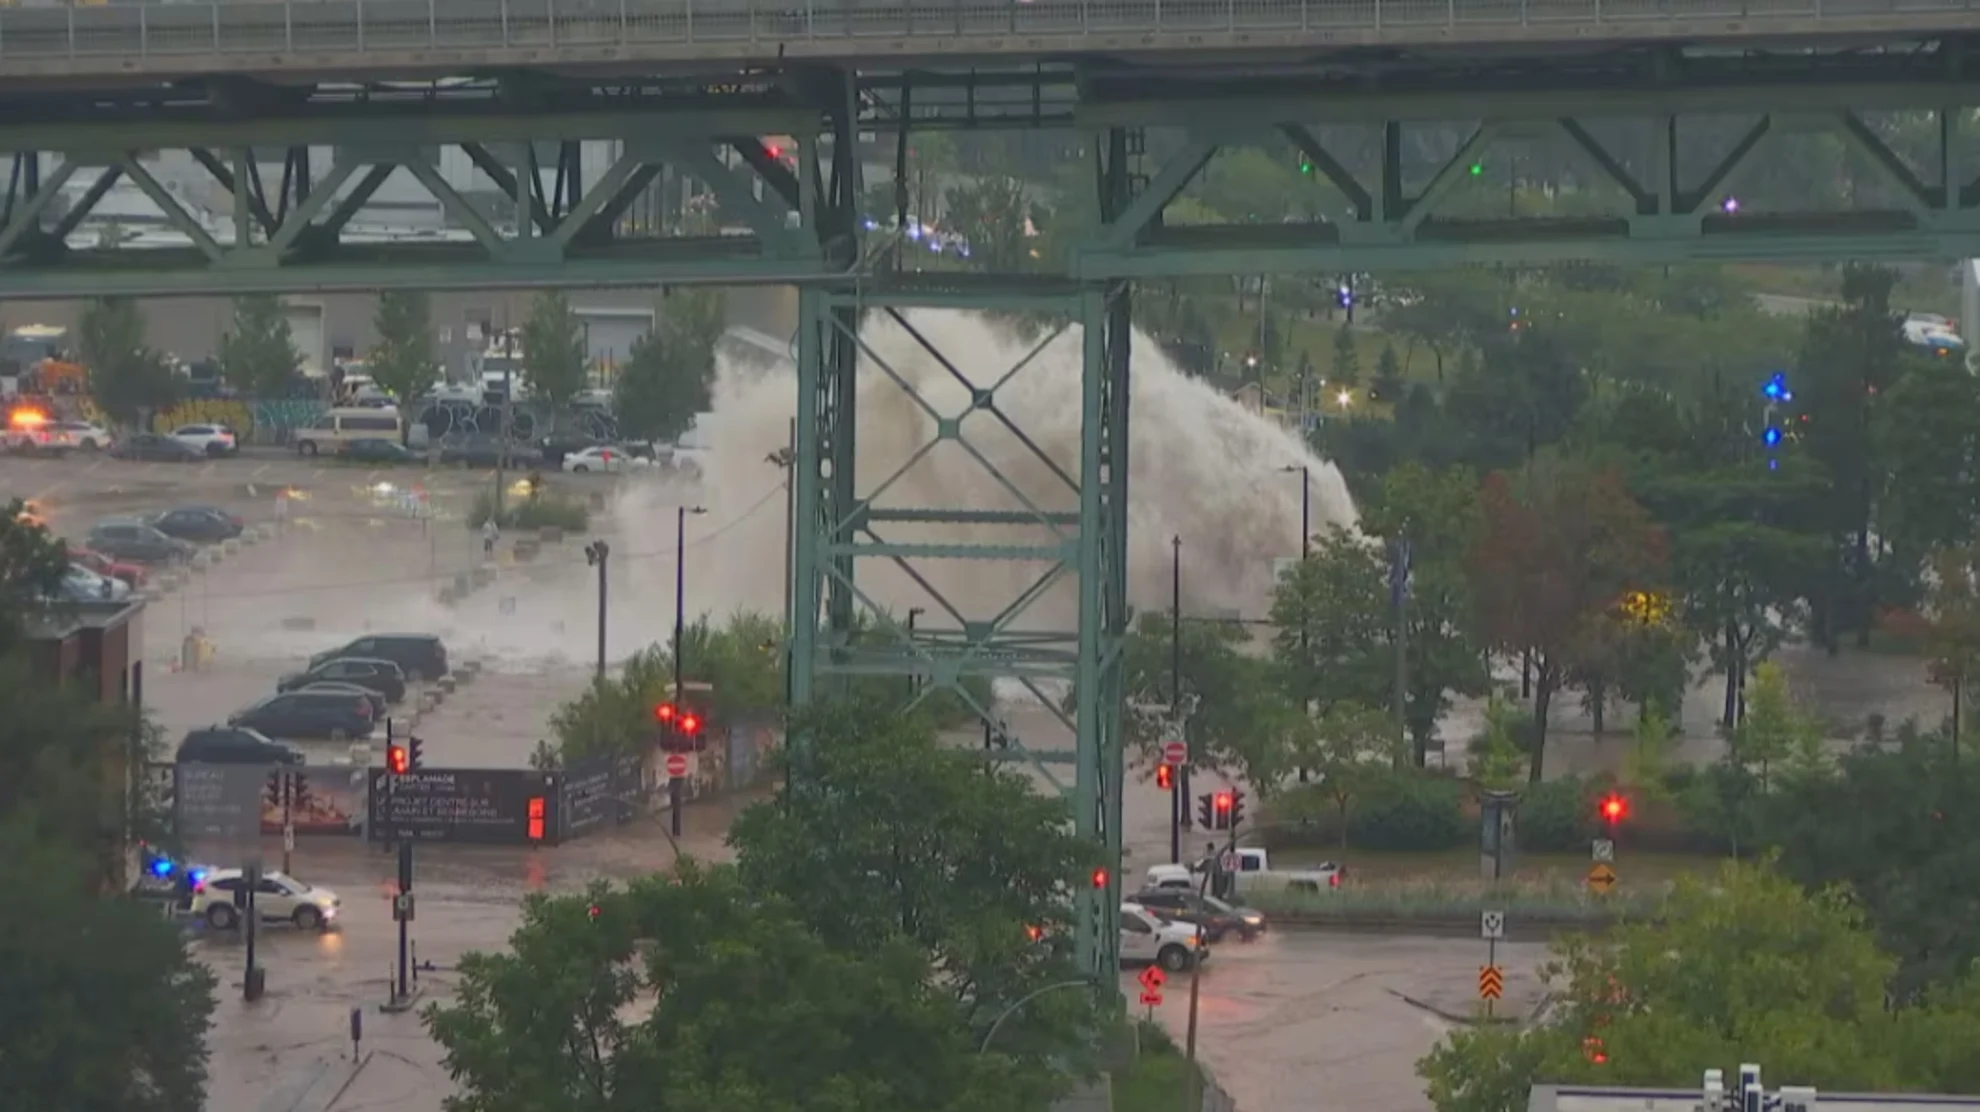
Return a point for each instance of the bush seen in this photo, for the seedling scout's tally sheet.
(540, 512)
(1556, 900)
(1557, 816)
(1410, 811)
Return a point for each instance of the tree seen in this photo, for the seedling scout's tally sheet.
(403, 361)
(669, 377)
(1750, 969)
(1388, 375)
(258, 353)
(1348, 747)
(1497, 761)
(704, 992)
(888, 834)
(1234, 714)
(1953, 629)
(991, 215)
(1332, 632)
(108, 1006)
(126, 376)
(1557, 549)
(1774, 730)
(1347, 360)
(553, 351)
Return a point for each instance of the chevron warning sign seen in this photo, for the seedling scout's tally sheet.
(1491, 982)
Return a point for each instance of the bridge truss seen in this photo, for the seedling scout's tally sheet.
(294, 165)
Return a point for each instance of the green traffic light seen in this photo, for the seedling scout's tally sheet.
(1477, 169)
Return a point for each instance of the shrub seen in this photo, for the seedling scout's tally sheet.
(1557, 816)
(1409, 811)
(541, 512)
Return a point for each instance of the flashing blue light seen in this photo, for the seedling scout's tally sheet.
(197, 875)
(1776, 388)
(914, 231)
(161, 867)
(872, 225)
(1772, 438)
(1773, 465)
(1345, 295)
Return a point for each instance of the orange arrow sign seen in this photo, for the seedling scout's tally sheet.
(1152, 978)
(1491, 982)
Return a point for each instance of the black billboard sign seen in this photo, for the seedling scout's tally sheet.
(492, 806)
(599, 793)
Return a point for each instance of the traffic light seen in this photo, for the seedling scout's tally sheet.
(664, 714)
(396, 760)
(1614, 809)
(1165, 777)
(298, 791)
(1204, 816)
(1237, 809)
(1224, 803)
(416, 752)
(1100, 877)
(274, 793)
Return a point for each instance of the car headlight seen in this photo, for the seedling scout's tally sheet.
(1254, 920)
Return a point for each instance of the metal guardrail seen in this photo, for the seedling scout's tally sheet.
(261, 31)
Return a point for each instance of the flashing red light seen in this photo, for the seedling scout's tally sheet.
(1034, 933)
(396, 760)
(593, 912)
(1614, 808)
(1100, 878)
(1165, 777)
(774, 150)
(664, 712)
(1223, 803)
(690, 725)
(536, 811)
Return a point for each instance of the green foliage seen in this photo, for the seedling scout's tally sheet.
(1557, 816)
(709, 992)
(1388, 375)
(553, 353)
(1770, 974)
(1498, 760)
(126, 377)
(32, 563)
(1346, 370)
(670, 374)
(741, 660)
(1352, 748)
(1410, 811)
(544, 511)
(403, 362)
(258, 353)
(991, 214)
(1333, 633)
(1232, 709)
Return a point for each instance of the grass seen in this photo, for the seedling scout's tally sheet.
(1432, 899)
(1374, 867)
(1153, 1081)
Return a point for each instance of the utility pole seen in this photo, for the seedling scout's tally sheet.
(595, 554)
(913, 680)
(1178, 805)
(1399, 560)
(508, 402)
(674, 788)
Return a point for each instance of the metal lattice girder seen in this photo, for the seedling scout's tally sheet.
(289, 190)
(1373, 219)
(1075, 530)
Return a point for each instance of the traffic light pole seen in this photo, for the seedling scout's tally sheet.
(402, 911)
(674, 788)
(288, 818)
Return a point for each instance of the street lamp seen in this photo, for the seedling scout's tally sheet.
(1305, 506)
(914, 679)
(594, 554)
(1345, 398)
(680, 629)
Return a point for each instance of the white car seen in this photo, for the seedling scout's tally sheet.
(79, 584)
(82, 434)
(598, 457)
(278, 898)
(1148, 938)
(210, 440)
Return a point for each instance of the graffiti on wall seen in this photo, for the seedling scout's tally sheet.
(255, 422)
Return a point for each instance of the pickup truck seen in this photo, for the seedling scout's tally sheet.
(1254, 873)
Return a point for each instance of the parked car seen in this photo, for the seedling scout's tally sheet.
(234, 745)
(598, 457)
(421, 656)
(79, 584)
(130, 539)
(278, 898)
(212, 441)
(152, 447)
(376, 450)
(376, 700)
(556, 447)
(1216, 917)
(133, 574)
(381, 676)
(198, 523)
(84, 435)
(335, 716)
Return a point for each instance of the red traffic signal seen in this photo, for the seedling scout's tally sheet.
(1100, 877)
(664, 713)
(1165, 777)
(1223, 803)
(397, 762)
(1614, 808)
(690, 724)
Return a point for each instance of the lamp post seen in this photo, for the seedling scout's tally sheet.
(1305, 506)
(914, 679)
(594, 554)
(1178, 800)
(681, 513)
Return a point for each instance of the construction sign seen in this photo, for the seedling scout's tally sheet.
(1491, 982)
(1601, 877)
(1152, 979)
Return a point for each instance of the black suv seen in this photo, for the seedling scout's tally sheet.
(336, 716)
(381, 676)
(420, 656)
(1216, 917)
(233, 745)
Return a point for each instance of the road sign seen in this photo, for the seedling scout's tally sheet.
(1152, 978)
(1175, 753)
(1492, 925)
(218, 801)
(1228, 862)
(677, 765)
(1491, 982)
(1601, 877)
(1151, 999)
(1604, 849)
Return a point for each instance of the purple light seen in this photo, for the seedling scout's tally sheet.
(1730, 205)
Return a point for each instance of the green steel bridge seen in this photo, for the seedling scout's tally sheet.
(300, 112)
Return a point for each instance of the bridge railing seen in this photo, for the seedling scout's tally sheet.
(318, 27)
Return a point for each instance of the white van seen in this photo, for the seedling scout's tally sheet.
(328, 433)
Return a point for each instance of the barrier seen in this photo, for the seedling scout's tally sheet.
(483, 806)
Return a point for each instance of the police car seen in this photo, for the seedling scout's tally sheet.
(220, 898)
